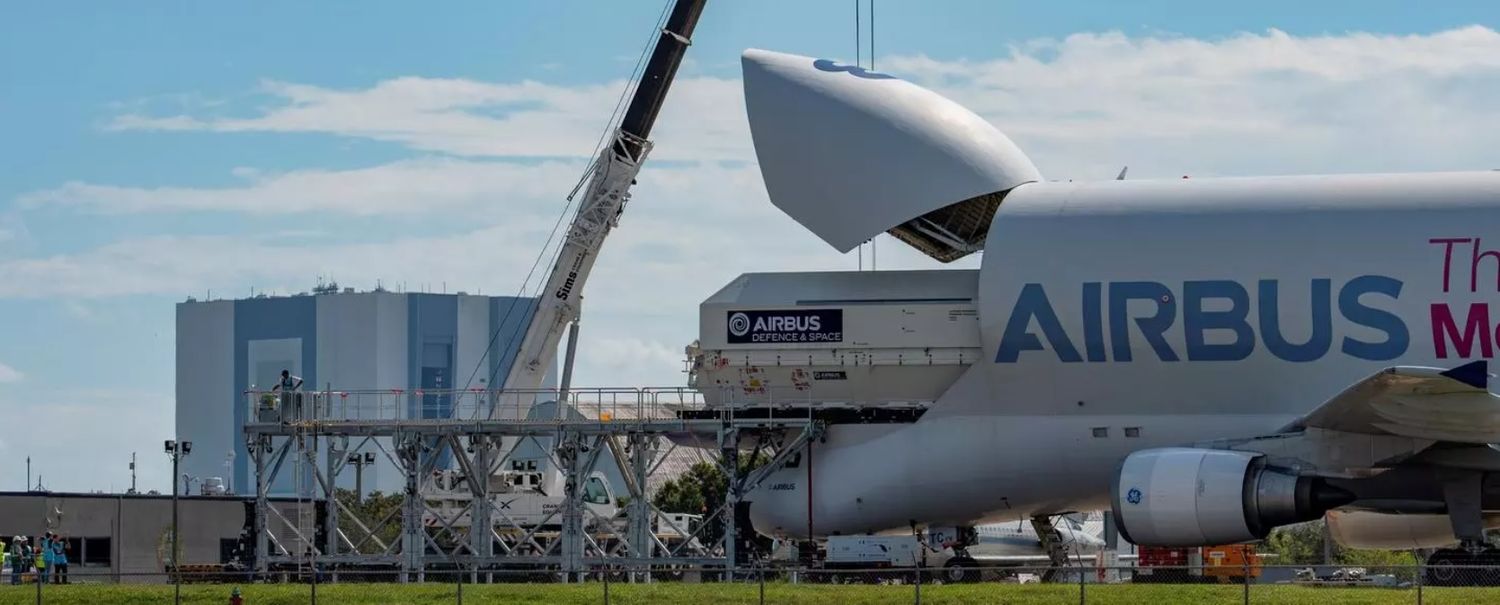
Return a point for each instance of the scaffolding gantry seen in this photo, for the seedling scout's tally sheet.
(456, 451)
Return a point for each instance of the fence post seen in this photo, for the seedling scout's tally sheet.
(460, 586)
(38, 582)
(605, 573)
(1245, 560)
(1082, 592)
(761, 577)
(1421, 575)
(918, 584)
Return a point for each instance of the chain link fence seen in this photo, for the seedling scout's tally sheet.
(1206, 584)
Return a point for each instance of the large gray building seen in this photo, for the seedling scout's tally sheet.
(337, 339)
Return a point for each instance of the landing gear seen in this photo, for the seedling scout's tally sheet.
(1473, 562)
(1463, 567)
(960, 570)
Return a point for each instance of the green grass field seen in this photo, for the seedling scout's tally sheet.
(778, 593)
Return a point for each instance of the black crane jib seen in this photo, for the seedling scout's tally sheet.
(675, 38)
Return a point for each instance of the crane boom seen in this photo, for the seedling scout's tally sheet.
(604, 199)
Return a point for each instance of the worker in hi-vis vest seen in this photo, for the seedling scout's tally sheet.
(43, 555)
(18, 559)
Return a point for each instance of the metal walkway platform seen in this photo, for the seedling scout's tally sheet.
(318, 437)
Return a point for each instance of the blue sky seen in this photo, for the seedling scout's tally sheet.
(148, 153)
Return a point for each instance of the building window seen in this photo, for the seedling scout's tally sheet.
(1101, 432)
(1132, 431)
(93, 551)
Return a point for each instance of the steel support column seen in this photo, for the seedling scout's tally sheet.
(413, 539)
(729, 448)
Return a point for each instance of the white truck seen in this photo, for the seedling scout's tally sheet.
(874, 558)
(518, 501)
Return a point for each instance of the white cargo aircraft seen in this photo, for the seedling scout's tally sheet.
(1210, 357)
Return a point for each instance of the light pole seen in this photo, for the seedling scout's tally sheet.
(229, 472)
(176, 449)
(360, 462)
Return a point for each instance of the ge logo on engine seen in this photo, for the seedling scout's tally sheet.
(739, 324)
(1133, 496)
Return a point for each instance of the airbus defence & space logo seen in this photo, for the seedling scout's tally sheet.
(785, 326)
(739, 324)
(1133, 496)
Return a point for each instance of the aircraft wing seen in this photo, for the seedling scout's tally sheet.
(1452, 405)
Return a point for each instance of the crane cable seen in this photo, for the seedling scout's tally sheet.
(858, 52)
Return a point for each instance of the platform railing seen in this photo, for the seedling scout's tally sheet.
(593, 404)
(599, 404)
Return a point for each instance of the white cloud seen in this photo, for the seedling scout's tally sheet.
(1248, 104)
(679, 220)
(10, 374)
(405, 187)
(470, 118)
(631, 359)
(1081, 106)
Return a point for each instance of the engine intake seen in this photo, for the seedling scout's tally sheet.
(1202, 497)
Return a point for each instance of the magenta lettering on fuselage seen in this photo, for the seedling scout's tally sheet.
(1460, 330)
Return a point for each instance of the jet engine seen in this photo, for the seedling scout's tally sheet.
(1201, 497)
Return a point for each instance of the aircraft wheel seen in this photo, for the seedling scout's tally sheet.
(959, 570)
(1442, 567)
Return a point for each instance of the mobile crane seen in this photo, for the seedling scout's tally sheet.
(558, 306)
(612, 175)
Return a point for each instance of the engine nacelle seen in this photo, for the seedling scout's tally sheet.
(1202, 497)
(1387, 531)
